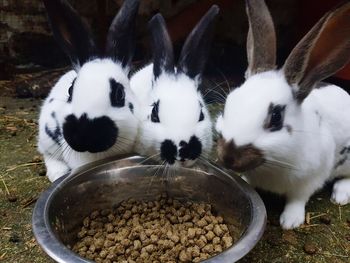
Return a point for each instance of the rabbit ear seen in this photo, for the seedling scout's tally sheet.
(163, 54)
(120, 43)
(70, 31)
(196, 49)
(261, 40)
(322, 52)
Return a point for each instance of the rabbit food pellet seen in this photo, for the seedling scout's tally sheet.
(165, 230)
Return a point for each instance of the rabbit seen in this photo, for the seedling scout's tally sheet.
(284, 129)
(89, 113)
(175, 127)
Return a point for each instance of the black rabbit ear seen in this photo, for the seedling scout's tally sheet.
(195, 51)
(70, 31)
(261, 40)
(120, 43)
(323, 51)
(162, 48)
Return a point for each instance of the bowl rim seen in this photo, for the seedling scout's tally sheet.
(55, 249)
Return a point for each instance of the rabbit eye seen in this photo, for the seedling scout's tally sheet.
(70, 91)
(276, 119)
(154, 114)
(201, 116)
(117, 95)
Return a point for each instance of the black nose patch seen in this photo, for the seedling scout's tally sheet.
(191, 150)
(92, 135)
(168, 151)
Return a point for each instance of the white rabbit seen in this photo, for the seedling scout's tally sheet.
(287, 132)
(88, 114)
(175, 123)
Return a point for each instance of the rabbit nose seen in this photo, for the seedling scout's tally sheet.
(225, 153)
(92, 135)
(239, 159)
(191, 150)
(168, 151)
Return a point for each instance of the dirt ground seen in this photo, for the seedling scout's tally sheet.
(326, 237)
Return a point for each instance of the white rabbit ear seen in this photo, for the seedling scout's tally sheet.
(120, 43)
(70, 31)
(196, 49)
(322, 52)
(261, 40)
(162, 48)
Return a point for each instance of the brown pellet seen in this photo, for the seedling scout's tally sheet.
(164, 230)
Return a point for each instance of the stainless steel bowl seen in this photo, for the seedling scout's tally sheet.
(59, 212)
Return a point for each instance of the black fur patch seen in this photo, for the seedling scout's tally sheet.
(168, 151)
(191, 150)
(117, 94)
(341, 162)
(131, 107)
(92, 135)
(201, 116)
(55, 134)
(155, 111)
(50, 100)
(344, 152)
(70, 92)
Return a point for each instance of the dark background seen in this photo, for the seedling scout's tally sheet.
(26, 44)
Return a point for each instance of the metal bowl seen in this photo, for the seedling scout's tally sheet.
(59, 212)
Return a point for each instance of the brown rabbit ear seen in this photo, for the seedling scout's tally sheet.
(321, 53)
(261, 40)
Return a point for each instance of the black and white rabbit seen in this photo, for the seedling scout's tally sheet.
(284, 129)
(175, 123)
(88, 114)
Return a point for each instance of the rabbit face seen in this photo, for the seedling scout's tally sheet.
(177, 125)
(256, 123)
(277, 128)
(101, 108)
(178, 120)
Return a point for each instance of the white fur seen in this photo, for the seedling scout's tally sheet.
(91, 96)
(304, 158)
(179, 111)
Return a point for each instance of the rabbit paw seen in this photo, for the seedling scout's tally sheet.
(341, 192)
(293, 216)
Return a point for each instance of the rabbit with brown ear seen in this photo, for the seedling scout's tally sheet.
(284, 129)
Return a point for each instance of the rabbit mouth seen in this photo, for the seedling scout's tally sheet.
(90, 135)
(239, 159)
(185, 154)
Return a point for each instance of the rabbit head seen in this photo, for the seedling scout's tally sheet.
(178, 125)
(99, 113)
(262, 117)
